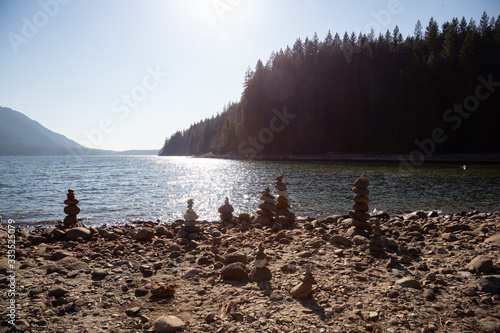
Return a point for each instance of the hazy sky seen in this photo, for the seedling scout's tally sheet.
(125, 74)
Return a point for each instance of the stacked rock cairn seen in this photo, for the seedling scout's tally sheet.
(226, 211)
(376, 246)
(71, 210)
(282, 207)
(267, 208)
(359, 213)
(260, 272)
(304, 289)
(190, 216)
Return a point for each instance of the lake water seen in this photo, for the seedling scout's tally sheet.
(126, 188)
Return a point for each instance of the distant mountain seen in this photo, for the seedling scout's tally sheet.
(20, 135)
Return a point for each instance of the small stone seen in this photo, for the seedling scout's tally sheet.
(60, 254)
(141, 292)
(244, 217)
(490, 284)
(162, 230)
(493, 240)
(481, 264)
(260, 274)
(235, 257)
(360, 240)
(133, 312)
(304, 254)
(144, 234)
(429, 294)
(168, 324)
(234, 271)
(99, 273)
(72, 234)
(163, 290)
(408, 282)
(336, 239)
(58, 291)
(361, 182)
(209, 318)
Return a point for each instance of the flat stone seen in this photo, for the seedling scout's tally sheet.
(235, 257)
(490, 324)
(99, 273)
(360, 240)
(408, 282)
(73, 234)
(60, 254)
(336, 239)
(361, 224)
(304, 254)
(77, 266)
(493, 240)
(361, 198)
(133, 312)
(58, 291)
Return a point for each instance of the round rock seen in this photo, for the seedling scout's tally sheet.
(168, 324)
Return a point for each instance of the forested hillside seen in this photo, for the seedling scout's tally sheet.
(362, 93)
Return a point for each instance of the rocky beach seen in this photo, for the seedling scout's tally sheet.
(422, 272)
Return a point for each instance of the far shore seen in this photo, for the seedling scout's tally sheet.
(365, 157)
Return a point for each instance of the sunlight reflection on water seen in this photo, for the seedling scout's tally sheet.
(125, 188)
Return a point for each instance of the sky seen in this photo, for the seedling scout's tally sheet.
(127, 74)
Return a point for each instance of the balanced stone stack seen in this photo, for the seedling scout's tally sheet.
(259, 271)
(71, 210)
(226, 211)
(376, 245)
(304, 289)
(267, 208)
(282, 207)
(359, 213)
(190, 216)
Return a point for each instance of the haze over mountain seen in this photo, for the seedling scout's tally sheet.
(20, 135)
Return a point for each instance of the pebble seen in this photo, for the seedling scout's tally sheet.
(408, 282)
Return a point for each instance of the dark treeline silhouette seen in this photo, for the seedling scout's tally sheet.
(362, 93)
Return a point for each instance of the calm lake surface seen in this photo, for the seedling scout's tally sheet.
(127, 188)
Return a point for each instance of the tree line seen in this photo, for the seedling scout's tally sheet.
(362, 93)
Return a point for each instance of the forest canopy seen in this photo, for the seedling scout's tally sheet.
(359, 93)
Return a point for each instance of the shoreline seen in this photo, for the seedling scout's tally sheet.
(433, 274)
(365, 157)
(120, 223)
